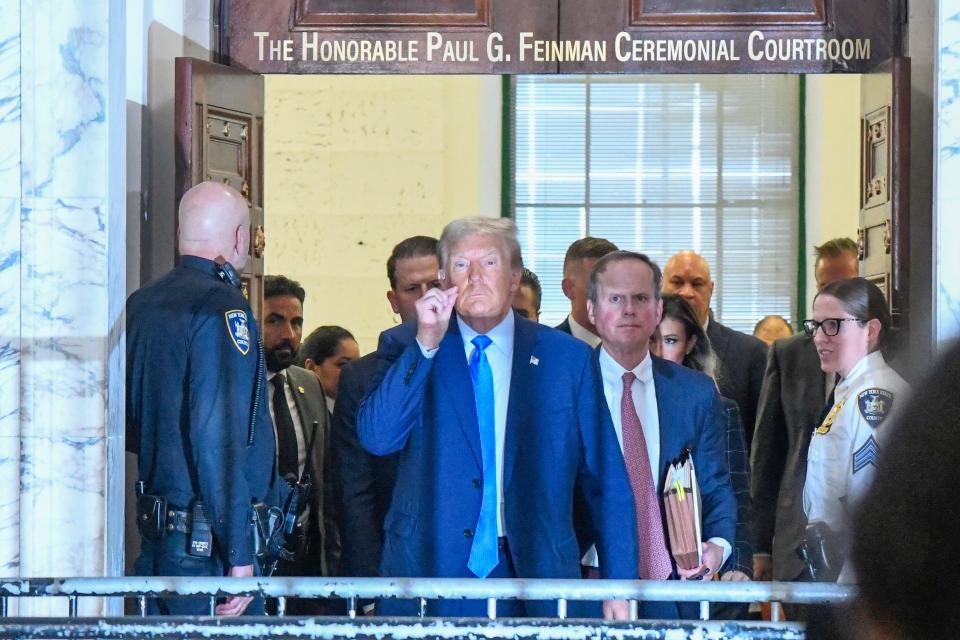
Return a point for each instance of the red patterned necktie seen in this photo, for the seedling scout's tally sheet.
(654, 557)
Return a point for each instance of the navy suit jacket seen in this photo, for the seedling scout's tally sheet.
(742, 359)
(692, 417)
(559, 439)
(564, 326)
(365, 481)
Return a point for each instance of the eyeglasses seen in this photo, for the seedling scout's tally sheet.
(830, 326)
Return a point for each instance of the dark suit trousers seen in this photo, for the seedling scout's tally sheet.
(168, 557)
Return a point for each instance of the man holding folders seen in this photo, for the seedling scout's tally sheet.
(659, 409)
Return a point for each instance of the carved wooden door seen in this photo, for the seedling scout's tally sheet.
(883, 233)
(219, 130)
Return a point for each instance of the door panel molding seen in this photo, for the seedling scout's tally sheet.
(464, 26)
(320, 14)
(883, 233)
(218, 114)
(741, 13)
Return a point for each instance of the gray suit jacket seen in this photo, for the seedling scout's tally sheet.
(311, 404)
(793, 396)
(740, 374)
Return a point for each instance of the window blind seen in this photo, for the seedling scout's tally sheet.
(659, 164)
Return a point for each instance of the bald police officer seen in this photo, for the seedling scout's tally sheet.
(197, 406)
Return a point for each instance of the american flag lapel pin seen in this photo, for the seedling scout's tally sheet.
(534, 360)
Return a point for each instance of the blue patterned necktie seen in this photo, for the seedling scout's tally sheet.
(483, 553)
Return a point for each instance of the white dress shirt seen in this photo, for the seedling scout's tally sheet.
(500, 356)
(580, 332)
(644, 394)
(294, 413)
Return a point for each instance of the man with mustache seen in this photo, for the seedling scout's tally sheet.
(300, 418)
(498, 422)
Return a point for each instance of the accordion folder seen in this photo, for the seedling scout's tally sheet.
(681, 501)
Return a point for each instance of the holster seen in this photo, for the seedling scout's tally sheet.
(267, 525)
(822, 551)
(151, 516)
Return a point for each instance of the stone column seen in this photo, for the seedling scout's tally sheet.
(10, 289)
(946, 172)
(61, 290)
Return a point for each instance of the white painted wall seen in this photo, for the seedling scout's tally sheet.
(157, 33)
(832, 163)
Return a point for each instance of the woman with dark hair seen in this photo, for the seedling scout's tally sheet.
(850, 326)
(680, 338)
(325, 352)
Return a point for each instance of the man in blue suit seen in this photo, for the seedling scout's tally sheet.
(659, 409)
(499, 422)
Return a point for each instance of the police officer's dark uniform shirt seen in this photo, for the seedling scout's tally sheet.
(192, 385)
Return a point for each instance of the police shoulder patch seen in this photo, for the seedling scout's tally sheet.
(875, 405)
(238, 329)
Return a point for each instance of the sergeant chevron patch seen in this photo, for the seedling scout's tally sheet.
(866, 455)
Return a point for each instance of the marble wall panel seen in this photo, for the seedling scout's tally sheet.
(64, 71)
(947, 197)
(64, 280)
(10, 290)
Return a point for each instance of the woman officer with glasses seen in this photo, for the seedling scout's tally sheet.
(850, 326)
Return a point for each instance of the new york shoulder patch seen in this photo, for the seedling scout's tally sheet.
(875, 406)
(866, 455)
(238, 329)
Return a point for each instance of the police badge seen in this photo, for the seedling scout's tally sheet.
(238, 329)
(875, 406)
(824, 428)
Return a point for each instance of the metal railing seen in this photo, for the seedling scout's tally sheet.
(422, 589)
(406, 628)
(491, 590)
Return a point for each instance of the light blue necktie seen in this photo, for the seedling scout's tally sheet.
(483, 553)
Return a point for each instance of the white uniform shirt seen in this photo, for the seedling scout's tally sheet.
(842, 460)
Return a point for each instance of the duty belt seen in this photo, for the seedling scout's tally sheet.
(178, 520)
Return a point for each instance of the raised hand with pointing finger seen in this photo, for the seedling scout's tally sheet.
(433, 315)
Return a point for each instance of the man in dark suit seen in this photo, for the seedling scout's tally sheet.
(366, 481)
(498, 421)
(301, 423)
(740, 357)
(794, 392)
(526, 301)
(577, 264)
(659, 409)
